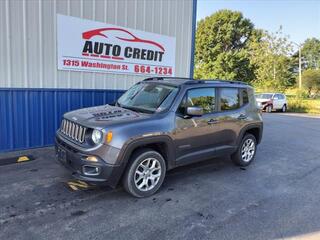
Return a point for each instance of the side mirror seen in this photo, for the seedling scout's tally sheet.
(195, 111)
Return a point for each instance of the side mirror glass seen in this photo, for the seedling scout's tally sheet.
(195, 111)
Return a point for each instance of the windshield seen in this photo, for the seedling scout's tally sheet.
(264, 96)
(148, 97)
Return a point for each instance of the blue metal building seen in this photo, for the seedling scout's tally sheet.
(34, 94)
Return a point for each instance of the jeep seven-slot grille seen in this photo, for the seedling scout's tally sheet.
(73, 130)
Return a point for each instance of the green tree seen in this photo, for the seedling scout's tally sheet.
(311, 81)
(270, 54)
(311, 53)
(221, 42)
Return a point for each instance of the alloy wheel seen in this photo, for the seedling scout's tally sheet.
(248, 149)
(269, 109)
(147, 174)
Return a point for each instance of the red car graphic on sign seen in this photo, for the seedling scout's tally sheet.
(131, 37)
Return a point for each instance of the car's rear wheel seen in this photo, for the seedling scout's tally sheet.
(145, 174)
(246, 151)
(284, 108)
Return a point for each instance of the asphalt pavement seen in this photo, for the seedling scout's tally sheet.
(276, 197)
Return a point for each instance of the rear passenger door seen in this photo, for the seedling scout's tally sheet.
(281, 101)
(232, 116)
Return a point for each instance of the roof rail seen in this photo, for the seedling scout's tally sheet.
(195, 81)
(165, 78)
(224, 81)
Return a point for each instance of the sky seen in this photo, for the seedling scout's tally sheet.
(300, 19)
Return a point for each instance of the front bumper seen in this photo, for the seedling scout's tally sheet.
(262, 106)
(75, 160)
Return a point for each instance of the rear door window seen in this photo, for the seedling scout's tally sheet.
(244, 96)
(229, 99)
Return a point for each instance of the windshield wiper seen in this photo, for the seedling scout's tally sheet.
(136, 109)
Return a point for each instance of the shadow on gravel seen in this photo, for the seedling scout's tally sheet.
(173, 176)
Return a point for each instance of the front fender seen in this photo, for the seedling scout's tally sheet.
(131, 145)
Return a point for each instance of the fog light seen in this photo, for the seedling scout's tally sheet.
(90, 170)
(92, 159)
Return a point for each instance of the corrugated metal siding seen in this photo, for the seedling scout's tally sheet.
(34, 94)
(30, 117)
(28, 40)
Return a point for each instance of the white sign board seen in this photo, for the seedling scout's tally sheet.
(90, 46)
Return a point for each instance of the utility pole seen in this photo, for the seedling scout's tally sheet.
(300, 77)
(300, 70)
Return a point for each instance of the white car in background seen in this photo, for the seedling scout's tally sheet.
(272, 101)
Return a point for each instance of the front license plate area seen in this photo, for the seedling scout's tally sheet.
(62, 155)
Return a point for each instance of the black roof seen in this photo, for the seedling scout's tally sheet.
(188, 81)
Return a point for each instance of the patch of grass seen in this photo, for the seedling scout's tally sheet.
(301, 105)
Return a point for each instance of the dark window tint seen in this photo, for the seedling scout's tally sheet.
(245, 98)
(229, 99)
(182, 107)
(200, 97)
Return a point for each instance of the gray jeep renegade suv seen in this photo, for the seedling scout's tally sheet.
(157, 125)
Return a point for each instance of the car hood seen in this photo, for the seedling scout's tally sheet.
(263, 99)
(102, 116)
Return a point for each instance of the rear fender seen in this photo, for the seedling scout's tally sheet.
(248, 127)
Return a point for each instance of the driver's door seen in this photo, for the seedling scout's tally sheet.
(195, 136)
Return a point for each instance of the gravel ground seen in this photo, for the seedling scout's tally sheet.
(276, 197)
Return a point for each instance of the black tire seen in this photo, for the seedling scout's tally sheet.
(128, 179)
(238, 158)
(269, 109)
(284, 108)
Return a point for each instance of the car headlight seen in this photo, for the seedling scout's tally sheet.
(97, 136)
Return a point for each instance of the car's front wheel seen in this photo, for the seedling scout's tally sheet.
(145, 174)
(269, 109)
(246, 151)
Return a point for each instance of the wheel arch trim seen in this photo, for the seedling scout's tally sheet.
(258, 126)
(130, 146)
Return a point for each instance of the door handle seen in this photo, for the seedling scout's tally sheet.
(242, 116)
(212, 121)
